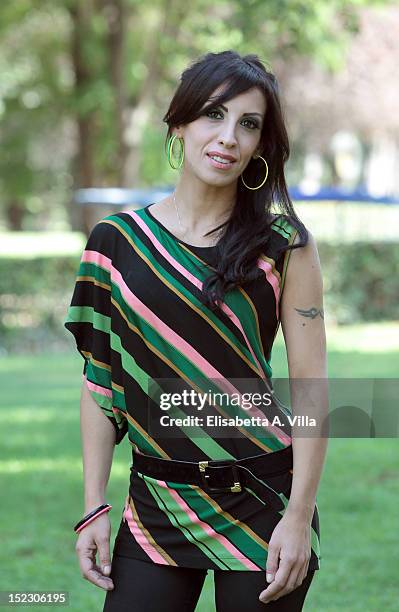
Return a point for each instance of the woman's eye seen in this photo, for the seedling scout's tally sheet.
(253, 124)
(212, 112)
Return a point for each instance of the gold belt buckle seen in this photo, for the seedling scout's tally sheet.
(236, 488)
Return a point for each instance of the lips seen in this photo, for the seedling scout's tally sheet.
(221, 165)
(222, 155)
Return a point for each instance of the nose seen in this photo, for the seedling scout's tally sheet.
(227, 137)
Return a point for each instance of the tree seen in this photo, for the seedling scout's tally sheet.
(87, 82)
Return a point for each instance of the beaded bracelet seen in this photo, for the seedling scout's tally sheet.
(86, 520)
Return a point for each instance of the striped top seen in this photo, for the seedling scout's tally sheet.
(140, 323)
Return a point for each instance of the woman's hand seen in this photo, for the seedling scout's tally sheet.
(96, 536)
(291, 542)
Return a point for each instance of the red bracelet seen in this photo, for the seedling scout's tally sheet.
(86, 520)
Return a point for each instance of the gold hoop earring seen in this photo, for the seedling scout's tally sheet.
(264, 180)
(170, 152)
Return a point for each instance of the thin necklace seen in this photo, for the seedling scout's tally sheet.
(177, 211)
(178, 216)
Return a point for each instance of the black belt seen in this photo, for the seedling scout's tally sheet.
(227, 475)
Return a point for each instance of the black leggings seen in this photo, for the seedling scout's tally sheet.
(141, 586)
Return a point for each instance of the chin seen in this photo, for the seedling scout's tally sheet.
(219, 183)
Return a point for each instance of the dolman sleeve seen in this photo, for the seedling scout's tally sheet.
(89, 319)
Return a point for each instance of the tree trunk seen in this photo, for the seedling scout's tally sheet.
(138, 114)
(115, 14)
(83, 166)
(15, 212)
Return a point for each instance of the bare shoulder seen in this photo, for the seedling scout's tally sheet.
(310, 249)
(304, 276)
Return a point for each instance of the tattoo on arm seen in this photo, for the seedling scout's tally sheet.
(311, 312)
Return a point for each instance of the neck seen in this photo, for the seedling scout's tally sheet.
(202, 206)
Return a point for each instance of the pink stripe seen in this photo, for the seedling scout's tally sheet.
(162, 328)
(194, 518)
(171, 336)
(195, 281)
(186, 349)
(271, 278)
(97, 258)
(140, 538)
(186, 273)
(97, 388)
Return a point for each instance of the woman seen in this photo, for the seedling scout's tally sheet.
(181, 298)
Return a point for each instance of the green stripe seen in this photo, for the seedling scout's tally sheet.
(165, 276)
(235, 300)
(167, 504)
(87, 314)
(217, 550)
(235, 534)
(283, 227)
(151, 388)
(145, 444)
(200, 438)
(207, 514)
(87, 268)
(101, 376)
(189, 369)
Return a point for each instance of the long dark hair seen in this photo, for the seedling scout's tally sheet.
(247, 230)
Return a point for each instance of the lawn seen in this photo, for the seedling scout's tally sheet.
(41, 477)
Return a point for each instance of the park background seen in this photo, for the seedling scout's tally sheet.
(84, 85)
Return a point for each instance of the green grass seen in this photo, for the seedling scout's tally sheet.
(41, 478)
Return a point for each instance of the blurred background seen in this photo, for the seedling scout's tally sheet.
(84, 85)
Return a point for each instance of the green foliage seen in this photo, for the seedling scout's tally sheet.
(33, 300)
(42, 96)
(361, 281)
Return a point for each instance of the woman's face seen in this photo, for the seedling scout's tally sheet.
(232, 129)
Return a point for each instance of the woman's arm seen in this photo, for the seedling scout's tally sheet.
(98, 443)
(302, 319)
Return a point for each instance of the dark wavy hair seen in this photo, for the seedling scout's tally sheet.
(247, 231)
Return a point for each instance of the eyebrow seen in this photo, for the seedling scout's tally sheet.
(244, 114)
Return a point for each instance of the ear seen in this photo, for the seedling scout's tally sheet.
(178, 132)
